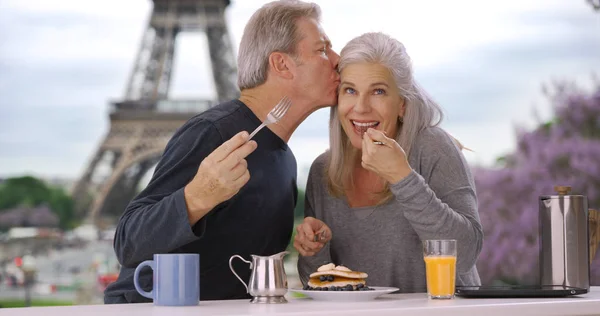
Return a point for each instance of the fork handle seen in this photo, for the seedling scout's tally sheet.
(256, 131)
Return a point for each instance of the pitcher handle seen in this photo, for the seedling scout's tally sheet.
(236, 275)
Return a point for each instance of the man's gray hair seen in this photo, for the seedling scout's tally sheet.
(271, 29)
(421, 110)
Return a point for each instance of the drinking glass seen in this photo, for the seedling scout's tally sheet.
(440, 268)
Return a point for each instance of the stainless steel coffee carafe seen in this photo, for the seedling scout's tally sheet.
(564, 243)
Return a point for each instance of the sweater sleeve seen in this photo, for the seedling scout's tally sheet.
(156, 221)
(314, 193)
(443, 204)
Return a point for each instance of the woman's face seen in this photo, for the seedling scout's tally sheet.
(368, 98)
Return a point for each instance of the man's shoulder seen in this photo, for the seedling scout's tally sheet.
(215, 114)
(220, 111)
(211, 120)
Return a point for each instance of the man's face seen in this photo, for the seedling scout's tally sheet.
(316, 76)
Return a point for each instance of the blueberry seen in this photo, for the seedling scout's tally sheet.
(333, 288)
(330, 278)
(348, 287)
(323, 278)
(306, 287)
(360, 285)
(325, 288)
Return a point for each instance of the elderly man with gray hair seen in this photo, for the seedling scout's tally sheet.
(215, 192)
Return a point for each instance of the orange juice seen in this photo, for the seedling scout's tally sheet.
(441, 275)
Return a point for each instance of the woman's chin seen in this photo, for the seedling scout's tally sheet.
(356, 143)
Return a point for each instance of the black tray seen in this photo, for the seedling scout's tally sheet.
(518, 291)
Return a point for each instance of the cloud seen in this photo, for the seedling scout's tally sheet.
(61, 63)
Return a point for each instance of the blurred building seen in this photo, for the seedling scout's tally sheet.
(41, 216)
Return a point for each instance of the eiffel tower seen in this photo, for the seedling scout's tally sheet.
(144, 121)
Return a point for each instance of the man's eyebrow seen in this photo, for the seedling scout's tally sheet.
(323, 41)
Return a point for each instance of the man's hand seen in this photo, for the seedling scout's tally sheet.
(220, 176)
(312, 234)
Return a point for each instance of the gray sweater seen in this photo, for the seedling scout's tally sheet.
(436, 201)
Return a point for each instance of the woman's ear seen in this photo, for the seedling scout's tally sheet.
(402, 109)
(279, 65)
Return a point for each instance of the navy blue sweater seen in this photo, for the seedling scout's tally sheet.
(258, 220)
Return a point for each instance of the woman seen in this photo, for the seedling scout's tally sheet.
(391, 178)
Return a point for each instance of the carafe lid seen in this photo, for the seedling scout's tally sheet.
(562, 190)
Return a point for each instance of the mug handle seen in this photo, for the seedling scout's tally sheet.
(136, 275)
(236, 275)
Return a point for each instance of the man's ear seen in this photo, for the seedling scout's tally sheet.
(279, 64)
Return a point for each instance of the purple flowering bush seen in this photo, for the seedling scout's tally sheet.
(565, 151)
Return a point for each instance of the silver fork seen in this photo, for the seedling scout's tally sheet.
(275, 115)
(319, 236)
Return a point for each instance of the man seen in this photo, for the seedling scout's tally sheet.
(214, 192)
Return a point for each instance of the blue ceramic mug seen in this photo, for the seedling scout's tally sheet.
(176, 279)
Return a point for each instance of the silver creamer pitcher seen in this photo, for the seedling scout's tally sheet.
(268, 281)
(564, 243)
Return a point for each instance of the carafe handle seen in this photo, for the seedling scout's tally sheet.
(236, 275)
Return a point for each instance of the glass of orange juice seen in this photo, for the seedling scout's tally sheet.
(440, 268)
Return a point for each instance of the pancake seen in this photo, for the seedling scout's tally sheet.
(343, 274)
(341, 282)
(326, 267)
(329, 275)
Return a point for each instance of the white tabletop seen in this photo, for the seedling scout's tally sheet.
(396, 304)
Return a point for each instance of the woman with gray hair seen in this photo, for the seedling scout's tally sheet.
(391, 179)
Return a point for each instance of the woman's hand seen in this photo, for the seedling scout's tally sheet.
(312, 234)
(388, 159)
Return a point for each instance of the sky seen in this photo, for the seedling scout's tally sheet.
(62, 62)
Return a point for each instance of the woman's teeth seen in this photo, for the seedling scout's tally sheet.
(367, 124)
(362, 127)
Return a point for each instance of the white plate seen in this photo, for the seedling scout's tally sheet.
(346, 296)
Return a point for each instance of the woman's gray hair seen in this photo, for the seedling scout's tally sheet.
(421, 110)
(272, 28)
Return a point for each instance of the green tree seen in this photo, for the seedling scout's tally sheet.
(23, 191)
(298, 217)
(299, 210)
(28, 191)
(63, 206)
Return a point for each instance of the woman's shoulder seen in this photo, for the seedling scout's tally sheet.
(432, 140)
(318, 165)
(316, 184)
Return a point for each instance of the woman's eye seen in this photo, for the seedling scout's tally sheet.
(349, 90)
(379, 91)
